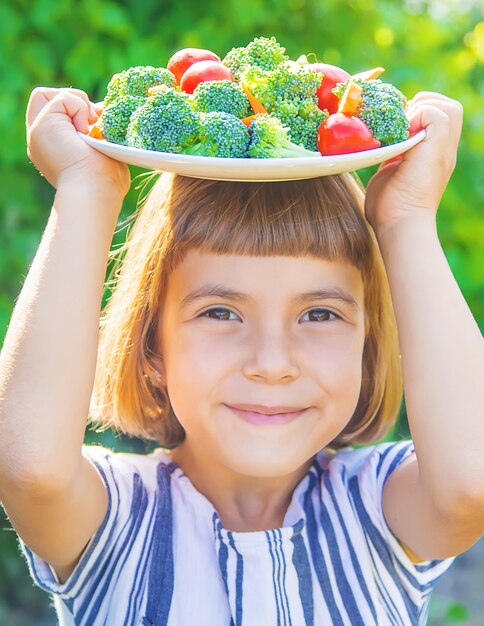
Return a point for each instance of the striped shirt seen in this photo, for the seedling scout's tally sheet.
(163, 558)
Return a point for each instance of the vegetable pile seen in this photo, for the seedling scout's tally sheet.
(254, 103)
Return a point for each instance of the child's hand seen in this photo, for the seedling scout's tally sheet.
(53, 117)
(411, 186)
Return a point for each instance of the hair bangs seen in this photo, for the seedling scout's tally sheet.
(281, 219)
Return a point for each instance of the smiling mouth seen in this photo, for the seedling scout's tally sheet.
(266, 410)
(274, 415)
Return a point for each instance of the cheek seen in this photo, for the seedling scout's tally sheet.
(343, 347)
(193, 365)
(337, 365)
(189, 352)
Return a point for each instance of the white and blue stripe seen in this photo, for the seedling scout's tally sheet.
(163, 558)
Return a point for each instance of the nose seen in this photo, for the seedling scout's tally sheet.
(270, 356)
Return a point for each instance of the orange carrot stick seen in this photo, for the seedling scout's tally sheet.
(256, 106)
(351, 99)
(95, 132)
(248, 120)
(369, 74)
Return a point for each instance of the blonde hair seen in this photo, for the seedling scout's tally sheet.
(321, 217)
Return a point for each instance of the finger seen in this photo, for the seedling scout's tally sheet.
(430, 118)
(82, 94)
(452, 108)
(433, 95)
(452, 111)
(439, 146)
(70, 105)
(413, 114)
(40, 96)
(98, 108)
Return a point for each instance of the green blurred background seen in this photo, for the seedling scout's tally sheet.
(424, 45)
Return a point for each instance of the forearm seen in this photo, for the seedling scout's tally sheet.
(442, 360)
(48, 361)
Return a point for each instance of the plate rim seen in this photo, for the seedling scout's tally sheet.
(251, 169)
(186, 158)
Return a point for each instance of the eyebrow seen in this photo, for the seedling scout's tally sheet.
(219, 291)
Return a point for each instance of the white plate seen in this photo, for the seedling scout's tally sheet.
(251, 169)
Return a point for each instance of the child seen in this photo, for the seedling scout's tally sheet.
(252, 334)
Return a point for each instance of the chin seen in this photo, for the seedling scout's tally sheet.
(264, 465)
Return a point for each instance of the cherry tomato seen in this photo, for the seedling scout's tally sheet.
(332, 76)
(203, 71)
(342, 134)
(181, 60)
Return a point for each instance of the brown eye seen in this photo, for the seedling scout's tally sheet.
(321, 315)
(218, 314)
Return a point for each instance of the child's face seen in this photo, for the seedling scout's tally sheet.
(269, 349)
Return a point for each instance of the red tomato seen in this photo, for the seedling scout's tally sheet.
(181, 60)
(332, 76)
(342, 134)
(203, 71)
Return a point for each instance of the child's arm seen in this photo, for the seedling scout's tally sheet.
(53, 496)
(434, 503)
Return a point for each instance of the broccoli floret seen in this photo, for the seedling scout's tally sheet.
(136, 81)
(165, 122)
(236, 61)
(115, 117)
(289, 81)
(219, 135)
(382, 108)
(265, 53)
(221, 95)
(304, 131)
(303, 119)
(289, 92)
(270, 139)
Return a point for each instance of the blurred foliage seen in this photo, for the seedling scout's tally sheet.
(447, 611)
(425, 45)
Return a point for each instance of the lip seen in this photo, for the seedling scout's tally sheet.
(259, 414)
(266, 410)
